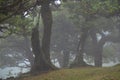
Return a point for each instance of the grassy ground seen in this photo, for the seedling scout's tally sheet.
(111, 73)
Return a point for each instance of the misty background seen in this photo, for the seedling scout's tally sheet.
(71, 27)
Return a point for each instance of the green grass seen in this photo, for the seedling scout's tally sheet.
(111, 73)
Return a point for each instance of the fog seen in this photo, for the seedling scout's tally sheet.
(58, 34)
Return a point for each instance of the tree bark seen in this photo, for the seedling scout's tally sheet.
(98, 48)
(40, 62)
(79, 57)
(65, 59)
(46, 15)
(98, 56)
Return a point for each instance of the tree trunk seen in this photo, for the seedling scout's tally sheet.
(47, 22)
(60, 60)
(65, 59)
(79, 57)
(40, 62)
(98, 48)
(98, 56)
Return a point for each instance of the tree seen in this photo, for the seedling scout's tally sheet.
(11, 8)
(41, 53)
(22, 26)
(64, 38)
(79, 57)
(90, 11)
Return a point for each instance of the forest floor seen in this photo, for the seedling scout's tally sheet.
(109, 73)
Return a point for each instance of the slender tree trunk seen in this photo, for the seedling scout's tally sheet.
(65, 59)
(83, 38)
(98, 48)
(79, 57)
(60, 60)
(98, 56)
(47, 22)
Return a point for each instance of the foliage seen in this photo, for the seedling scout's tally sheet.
(88, 10)
(95, 15)
(10, 8)
(21, 25)
(93, 7)
(15, 17)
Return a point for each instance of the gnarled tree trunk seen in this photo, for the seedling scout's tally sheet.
(42, 60)
(39, 62)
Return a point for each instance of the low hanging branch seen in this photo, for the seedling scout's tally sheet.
(9, 7)
(16, 8)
